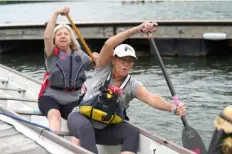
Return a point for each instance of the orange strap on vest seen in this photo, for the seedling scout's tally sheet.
(44, 84)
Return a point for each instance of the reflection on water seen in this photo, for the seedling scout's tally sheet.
(203, 83)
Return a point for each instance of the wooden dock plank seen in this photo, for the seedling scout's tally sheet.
(103, 30)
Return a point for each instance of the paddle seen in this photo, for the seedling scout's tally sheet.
(80, 37)
(190, 137)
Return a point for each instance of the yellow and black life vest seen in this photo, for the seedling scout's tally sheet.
(104, 105)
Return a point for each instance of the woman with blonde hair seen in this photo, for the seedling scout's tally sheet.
(66, 64)
(74, 45)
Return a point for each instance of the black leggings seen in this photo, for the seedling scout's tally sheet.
(46, 103)
(115, 134)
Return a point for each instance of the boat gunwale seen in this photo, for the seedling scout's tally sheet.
(49, 135)
(20, 74)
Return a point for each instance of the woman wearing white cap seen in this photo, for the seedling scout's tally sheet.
(100, 117)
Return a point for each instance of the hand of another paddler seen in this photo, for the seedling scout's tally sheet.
(179, 109)
(95, 56)
(63, 11)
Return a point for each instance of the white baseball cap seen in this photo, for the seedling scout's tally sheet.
(123, 50)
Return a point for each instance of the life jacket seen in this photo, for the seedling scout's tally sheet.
(104, 105)
(67, 73)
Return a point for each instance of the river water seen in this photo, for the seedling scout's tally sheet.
(203, 83)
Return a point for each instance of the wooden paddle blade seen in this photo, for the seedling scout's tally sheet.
(192, 140)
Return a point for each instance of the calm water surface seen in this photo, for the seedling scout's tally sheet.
(204, 84)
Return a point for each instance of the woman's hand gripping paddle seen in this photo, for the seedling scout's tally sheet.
(190, 137)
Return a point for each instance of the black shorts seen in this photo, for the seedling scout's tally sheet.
(47, 103)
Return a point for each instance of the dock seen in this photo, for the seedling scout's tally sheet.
(173, 37)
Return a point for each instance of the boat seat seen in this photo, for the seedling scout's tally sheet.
(19, 90)
(18, 99)
(62, 133)
(34, 112)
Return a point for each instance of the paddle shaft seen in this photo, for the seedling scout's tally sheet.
(190, 137)
(80, 37)
(153, 45)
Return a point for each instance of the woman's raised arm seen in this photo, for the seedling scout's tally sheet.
(108, 48)
(48, 40)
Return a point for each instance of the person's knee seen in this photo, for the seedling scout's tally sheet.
(132, 138)
(85, 128)
(71, 118)
(131, 142)
(54, 114)
(78, 125)
(134, 133)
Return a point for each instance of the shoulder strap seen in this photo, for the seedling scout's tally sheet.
(122, 85)
(107, 82)
(125, 81)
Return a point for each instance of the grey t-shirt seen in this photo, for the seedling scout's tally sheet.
(99, 77)
(61, 96)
